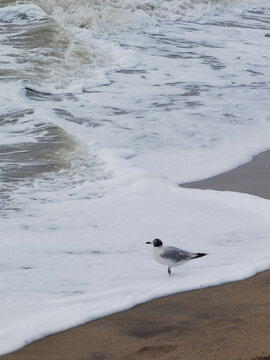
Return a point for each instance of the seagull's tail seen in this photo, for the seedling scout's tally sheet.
(198, 255)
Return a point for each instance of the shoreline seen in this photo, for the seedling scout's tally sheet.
(250, 178)
(229, 321)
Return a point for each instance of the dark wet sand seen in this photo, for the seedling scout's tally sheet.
(227, 322)
(251, 178)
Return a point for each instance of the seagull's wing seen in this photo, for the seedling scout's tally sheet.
(175, 254)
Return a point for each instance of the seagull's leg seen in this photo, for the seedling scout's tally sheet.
(169, 270)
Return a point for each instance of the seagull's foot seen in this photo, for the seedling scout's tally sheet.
(169, 270)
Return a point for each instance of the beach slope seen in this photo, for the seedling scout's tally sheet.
(230, 321)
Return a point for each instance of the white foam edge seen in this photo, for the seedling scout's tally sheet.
(13, 13)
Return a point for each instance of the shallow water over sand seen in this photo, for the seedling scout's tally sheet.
(105, 108)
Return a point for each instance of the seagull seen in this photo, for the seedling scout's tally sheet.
(171, 256)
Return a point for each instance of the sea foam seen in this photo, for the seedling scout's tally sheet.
(123, 101)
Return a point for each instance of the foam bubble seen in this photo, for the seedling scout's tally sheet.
(22, 13)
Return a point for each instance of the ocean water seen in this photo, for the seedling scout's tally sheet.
(105, 108)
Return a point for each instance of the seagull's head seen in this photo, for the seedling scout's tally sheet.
(155, 242)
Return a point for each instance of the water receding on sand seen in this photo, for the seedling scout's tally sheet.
(105, 107)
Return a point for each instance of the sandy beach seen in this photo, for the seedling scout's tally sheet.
(227, 322)
(250, 178)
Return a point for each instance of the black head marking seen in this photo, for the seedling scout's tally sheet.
(157, 242)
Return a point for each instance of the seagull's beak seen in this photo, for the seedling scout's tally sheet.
(149, 242)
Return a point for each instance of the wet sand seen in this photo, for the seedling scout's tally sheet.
(227, 322)
(251, 178)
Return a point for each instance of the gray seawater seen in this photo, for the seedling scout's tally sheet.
(39, 50)
(105, 107)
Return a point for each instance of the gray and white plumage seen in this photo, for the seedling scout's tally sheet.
(171, 256)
